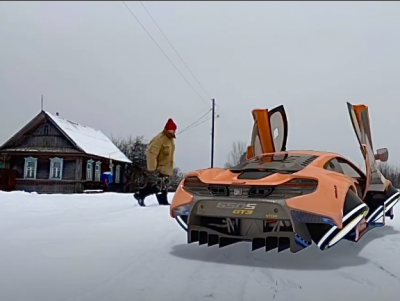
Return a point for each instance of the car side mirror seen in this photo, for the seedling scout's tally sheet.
(382, 154)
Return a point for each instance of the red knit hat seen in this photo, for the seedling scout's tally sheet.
(171, 125)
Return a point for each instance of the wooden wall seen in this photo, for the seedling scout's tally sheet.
(44, 141)
(46, 186)
(74, 174)
(43, 167)
(52, 138)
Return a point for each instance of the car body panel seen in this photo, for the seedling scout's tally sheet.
(267, 154)
(359, 116)
(270, 131)
(326, 200)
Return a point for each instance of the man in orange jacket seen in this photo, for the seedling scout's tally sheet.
(160, 159)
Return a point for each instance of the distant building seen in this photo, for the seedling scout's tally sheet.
(54, 155)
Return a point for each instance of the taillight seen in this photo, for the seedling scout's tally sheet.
(300, 183)
(294, 188)
(192, 181)
(193, 185)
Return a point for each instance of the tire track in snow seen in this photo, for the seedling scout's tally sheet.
(207, 280)
(390, 246)
(356, 278)
(386, 271)
(135, 261)
(146, 264)
(279, 284)
(101, 284)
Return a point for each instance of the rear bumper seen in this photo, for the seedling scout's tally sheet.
(269, 241)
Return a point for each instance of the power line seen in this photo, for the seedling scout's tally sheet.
(175, 50)
(195, 125)
(176, 68)
(191, 118)
(224, 123)
(159, 47)
(190, 125)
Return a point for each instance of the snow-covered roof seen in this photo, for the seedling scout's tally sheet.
(89, 140)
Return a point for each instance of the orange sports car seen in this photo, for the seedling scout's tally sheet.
(285, 199)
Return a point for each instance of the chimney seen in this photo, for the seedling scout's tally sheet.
(57, 114)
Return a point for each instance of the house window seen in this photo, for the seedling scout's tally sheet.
(89, 170)
(117, 173)
(97, 171)
(56, 168)
(30, 168)
(46, 129)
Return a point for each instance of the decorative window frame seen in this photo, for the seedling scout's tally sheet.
(118, 173)
(111, 166)
(46, 129)
(97, 171)
(30, 160)
(51, 174)
(89, 170)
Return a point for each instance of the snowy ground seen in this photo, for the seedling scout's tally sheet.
(105, 248)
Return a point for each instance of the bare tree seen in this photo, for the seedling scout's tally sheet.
(238, 149)
(390, 172)
(135, 149)
(176, 178)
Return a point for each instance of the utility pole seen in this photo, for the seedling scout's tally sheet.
(212, 131)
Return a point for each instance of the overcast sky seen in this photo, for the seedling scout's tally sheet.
(97, 66)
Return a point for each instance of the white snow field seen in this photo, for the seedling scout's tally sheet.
(104, 247)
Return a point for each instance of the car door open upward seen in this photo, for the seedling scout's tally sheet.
(359, 116)
(270, 131)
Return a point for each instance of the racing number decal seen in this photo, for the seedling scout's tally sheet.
(244, 209)
(238, 208)
(240, 211)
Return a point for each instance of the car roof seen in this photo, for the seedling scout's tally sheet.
(307, 152)
(292, 160)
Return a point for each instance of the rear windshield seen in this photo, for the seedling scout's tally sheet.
(281, 162)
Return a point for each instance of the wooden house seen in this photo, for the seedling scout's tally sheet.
(54, 155)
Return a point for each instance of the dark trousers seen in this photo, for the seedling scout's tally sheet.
(152, 188)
